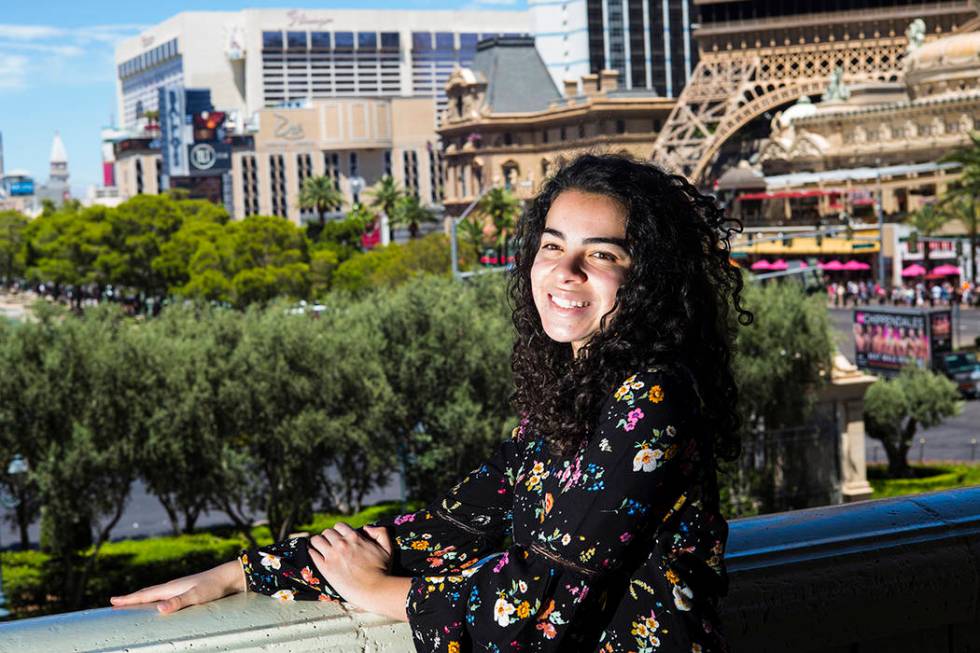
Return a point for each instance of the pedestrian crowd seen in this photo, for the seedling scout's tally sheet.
(862, 292)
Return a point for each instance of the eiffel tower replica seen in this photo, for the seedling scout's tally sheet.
(758, 55)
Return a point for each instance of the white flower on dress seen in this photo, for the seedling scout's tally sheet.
(646, 459)
(521, 585)
(502, 610)
(682, 597)
(270, 561)
(284, 595)
(604, 445)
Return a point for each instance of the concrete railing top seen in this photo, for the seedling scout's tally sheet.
(774, 543)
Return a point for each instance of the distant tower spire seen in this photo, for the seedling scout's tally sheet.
(59, 162)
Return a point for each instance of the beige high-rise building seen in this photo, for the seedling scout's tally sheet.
(354, 141)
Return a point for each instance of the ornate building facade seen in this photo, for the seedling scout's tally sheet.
(756, 56)
(507, 123)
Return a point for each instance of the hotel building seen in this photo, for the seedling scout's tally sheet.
(254, 58)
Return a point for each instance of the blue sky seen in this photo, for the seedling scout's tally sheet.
(57, 70)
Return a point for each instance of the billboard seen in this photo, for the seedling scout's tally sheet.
(888, 340)
(174, 131)
(23, 187)
(209, 158)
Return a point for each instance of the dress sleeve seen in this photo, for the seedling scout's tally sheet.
(448, 535)
(670, 599)
(642, 457)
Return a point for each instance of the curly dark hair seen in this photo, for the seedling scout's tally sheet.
(677, 304)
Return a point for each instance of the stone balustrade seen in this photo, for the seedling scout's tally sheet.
(895, 575)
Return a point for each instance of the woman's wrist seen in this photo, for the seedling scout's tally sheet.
(232, 577)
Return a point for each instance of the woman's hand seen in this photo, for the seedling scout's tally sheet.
(357, 565)
(197, 588)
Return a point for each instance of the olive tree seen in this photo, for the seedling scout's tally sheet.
(895, 408)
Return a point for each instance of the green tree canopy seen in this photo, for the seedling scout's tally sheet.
(321, 195)
(895, 408)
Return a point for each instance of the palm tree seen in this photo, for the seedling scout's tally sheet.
(319, 194)
(500, 205)
(385, 196)
(471, 230)
(963, 207)
(927, 221)
(410, 212)
(961, 199)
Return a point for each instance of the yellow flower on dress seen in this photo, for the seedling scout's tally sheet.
(640, 629)
(672, 577)
(523, 610)
(453, 647)
(420, 545)
(656, 394)
(696, 648)
(538, 468)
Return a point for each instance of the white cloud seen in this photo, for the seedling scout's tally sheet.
(44, 54)
(29, 32)
(13, 71)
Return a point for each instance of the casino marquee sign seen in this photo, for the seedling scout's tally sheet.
(208, 159)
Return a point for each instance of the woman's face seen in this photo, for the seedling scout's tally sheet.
(579, 266)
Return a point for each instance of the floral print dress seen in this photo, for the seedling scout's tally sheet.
(616, 548)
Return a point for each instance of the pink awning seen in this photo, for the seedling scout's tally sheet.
(914, 270)
(946, 270)
(761, 264)
(779, 264)
(854, 266)
(832, 266)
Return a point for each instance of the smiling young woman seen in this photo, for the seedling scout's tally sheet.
(596, 525)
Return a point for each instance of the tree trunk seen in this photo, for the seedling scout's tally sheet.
(23, 523)
(171, 515)
(413, 230)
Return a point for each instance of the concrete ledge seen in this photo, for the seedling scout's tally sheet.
(897, 575)
(245, 622)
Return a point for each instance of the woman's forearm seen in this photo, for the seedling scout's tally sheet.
(389, 596)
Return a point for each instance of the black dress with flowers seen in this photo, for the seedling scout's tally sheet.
(617, 548)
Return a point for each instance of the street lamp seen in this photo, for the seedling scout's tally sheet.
(15, 470)
(356, 186)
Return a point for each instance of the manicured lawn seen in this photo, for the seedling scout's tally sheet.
(928, 478)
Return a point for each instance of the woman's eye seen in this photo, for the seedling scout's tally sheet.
(606, 256)
(550, 246)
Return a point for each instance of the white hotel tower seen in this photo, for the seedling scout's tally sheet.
(253, 59)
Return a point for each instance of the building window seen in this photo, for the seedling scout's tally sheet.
(352, 172)
(508, 138)
(581, 130)
(620, 126)
(250, 186)
(272, 40)
(562, 135)
(343, 40)
(390, 41)
(387, 163)
(158, 168)
(367, 41)
(295, 40)
(511, 174)
(436, 173)
(331, 167)
(277, 184)
(410, 161)
(320, 40)
(544, 136)
(139, 176)
(304, 170)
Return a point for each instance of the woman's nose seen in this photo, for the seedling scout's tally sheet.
(570, 268)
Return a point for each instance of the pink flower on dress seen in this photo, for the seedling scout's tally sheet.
(501, 563)
(402, 519)
(626, 537)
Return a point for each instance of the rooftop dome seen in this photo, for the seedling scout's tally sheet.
(803, 108)
(948, 63)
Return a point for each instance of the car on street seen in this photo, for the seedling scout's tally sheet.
(964, 370)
